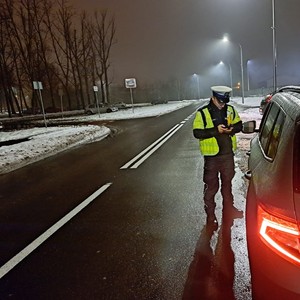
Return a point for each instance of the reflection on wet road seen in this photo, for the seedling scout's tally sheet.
(211, 273)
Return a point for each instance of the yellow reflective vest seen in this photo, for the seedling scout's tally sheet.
(203, 120)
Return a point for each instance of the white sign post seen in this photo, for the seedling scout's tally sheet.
(37, 85)
(130, 83)
(61, 93)
(95, 88)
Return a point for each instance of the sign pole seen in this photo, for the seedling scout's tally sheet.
(131, 97)
(37, 85)
(130, 84)
(95, 87)
(40, 93)
(61, 93)
(61, 107)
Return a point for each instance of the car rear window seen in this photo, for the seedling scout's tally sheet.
(297, 159)
(271, 131)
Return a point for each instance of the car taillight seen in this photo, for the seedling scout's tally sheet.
(279, 234)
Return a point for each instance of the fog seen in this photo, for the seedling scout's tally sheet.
(158, 40)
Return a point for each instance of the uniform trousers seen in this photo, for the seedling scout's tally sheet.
(216, 169)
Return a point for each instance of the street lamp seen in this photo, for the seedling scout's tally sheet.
(225, 39)
(230, 74)
(198, 83)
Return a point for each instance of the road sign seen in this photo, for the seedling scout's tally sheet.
(130, 83)
(37, 85)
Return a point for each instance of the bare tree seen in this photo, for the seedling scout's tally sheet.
(7, 62)
(25, 17)
(44, 40)
(59, 25)
(87, 54)
(104, 33)
(69, 46)
(40, 8)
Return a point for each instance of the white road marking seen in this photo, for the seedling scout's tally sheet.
(43, 237)
(141, 157)
(154, 149)
(132, 164)
(148, 148)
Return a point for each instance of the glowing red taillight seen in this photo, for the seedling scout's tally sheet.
(280, 235)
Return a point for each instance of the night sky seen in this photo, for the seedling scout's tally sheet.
(167, 39)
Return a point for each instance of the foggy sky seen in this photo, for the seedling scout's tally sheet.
(163, 39)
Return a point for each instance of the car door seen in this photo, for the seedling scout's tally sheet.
(296, 166)
(271, 163)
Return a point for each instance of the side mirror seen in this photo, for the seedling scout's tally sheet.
(249, 127)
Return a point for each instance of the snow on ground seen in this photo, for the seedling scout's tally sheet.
(42, 142)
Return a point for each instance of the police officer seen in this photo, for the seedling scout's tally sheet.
(215, 125)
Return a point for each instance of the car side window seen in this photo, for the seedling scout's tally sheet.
(271, 131)
(275, 136)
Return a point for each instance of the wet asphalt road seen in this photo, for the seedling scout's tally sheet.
(142, 236)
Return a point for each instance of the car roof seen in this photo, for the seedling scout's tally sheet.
(290, 88)
(289, 98)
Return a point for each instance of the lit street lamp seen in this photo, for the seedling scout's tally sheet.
(230, 74)
(225, 39)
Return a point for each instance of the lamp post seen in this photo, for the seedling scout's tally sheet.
(230, 74)
(197, 83)
(225, 39)
(248, 74)
(242, 73)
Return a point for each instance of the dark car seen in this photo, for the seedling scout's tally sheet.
(101, 108)
(273, 199)
(120, 105)
(267, 99)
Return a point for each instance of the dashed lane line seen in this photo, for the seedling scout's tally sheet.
(43, 237)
